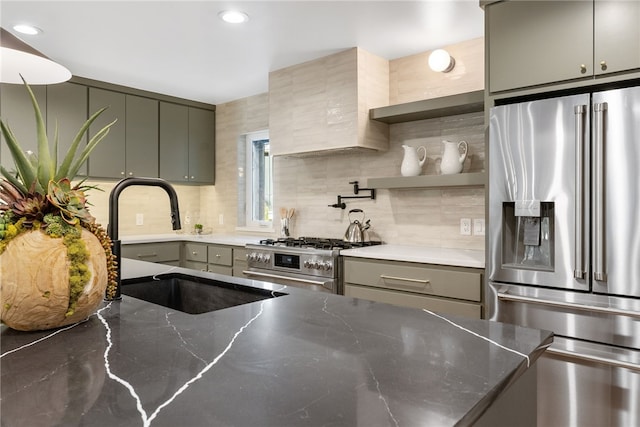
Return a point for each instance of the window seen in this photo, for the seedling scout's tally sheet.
(255, 181)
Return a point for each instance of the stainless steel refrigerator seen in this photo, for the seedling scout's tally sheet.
(564, 247)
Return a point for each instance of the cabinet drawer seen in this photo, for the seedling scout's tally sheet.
(152, 252)
(195, 252)
(414, 277)
(220, 269)
(405, 299)
(195, 265)
(239, 261)
(220, 255)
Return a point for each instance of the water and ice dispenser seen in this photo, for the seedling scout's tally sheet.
(528, 235)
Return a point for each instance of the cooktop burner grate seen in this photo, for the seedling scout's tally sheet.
(316, 243)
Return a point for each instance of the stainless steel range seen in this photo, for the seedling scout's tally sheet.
(306, 262)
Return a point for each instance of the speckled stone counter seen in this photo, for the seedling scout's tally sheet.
(303, 359)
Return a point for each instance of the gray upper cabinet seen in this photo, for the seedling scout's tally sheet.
(201, 145)
(187, 144)
(141, 137)
(131, 148)
(174, 142)
(107, 160)
(16, 111)
(617, 36)
(67, 110)
(533, 43)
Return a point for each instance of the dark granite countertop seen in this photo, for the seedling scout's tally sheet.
(304, 359)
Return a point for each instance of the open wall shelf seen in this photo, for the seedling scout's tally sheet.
(470, 102)
(476, 179)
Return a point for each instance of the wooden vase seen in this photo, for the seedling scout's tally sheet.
(34, 282)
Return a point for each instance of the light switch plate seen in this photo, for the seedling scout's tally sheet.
(139, 219)
(478, 227)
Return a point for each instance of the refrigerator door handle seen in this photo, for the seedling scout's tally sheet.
(596, 359)
(599, 268)
(579, 264)
(569, 305)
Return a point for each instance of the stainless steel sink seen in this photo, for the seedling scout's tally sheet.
(192, 294)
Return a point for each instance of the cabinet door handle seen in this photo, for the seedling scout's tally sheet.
(603, 65)
(147, 255)
(404, 279)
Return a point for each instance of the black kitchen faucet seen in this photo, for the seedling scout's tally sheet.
(112, 228)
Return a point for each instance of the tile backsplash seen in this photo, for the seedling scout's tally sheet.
(400, 216)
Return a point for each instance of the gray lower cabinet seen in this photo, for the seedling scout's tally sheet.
(239, 262)
(442, 289)
(131, 147)
(162, 252)
(220, 259)
(209, 257)
(195, 256)
(532, 42)
(187, 144)
(16, 111)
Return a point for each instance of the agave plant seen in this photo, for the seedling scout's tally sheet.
(38, 198)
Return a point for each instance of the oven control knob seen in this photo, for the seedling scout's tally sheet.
(267, 258)
(307, 264)
(260, 257)
(327, 265)
(252, 256)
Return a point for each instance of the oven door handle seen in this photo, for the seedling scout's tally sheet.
(276, 276)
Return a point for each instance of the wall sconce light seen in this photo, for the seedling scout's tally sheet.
(18, 58)
(440, 61)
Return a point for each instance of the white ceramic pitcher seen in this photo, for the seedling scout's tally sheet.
(411, 163)
(452, 158)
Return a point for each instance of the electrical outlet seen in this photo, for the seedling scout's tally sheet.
(465, 226)
(221, 219)
(478, 227)
(139, 219)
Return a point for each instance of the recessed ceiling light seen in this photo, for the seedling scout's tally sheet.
(233, 16)
(27, 29)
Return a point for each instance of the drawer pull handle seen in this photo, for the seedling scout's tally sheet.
(217, 255)
(147, 255)
(404, 279)
(194, 253)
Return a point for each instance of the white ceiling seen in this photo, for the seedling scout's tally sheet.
(182, 48)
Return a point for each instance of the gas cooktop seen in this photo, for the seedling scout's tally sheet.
(316, 243)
